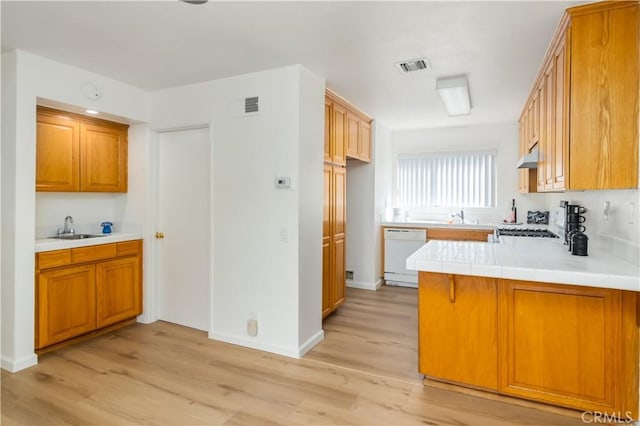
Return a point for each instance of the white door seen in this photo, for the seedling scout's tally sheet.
(183, 217)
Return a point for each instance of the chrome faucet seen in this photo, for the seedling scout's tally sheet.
(460, 215)
(68, 221)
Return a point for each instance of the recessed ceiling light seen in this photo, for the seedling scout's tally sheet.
(92, 111)
(195, 1)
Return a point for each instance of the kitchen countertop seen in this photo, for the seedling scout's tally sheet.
(49, 244)
(437, 224)
(530, 259)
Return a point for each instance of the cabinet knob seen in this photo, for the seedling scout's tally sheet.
(159, 235)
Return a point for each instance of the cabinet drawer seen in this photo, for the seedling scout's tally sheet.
(128, 247)
(51, 259)
(90, 253)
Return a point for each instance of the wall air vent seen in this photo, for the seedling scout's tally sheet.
(413, 65)
(251, 105)
(246, 107)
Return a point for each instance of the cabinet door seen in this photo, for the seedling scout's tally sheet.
(327, 203)
(353, 131)
(339, 133)
(339, 199)
(338, 287)
(561, 113)
(328, 136)
(549, 125)
(66, 304)
(540, 113)
(119, 290)
(604, 98)
(57, 154)
(457, 322)
(561, 344)
(327, 262)
(364, 143)
(103, 158)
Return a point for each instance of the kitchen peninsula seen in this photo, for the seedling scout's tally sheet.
(525, 318)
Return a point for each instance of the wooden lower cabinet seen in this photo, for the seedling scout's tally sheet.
(458, 234)
(119, 294)
(66, 304)
(565, 345)
(457, 318)
(81, 290)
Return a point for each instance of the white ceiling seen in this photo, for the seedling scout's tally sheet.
(353, 45)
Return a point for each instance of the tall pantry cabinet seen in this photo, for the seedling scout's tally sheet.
(347, 134)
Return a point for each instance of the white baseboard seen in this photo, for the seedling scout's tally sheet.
(254, 344)
(309, 344)
(14, 365)
(365, 286)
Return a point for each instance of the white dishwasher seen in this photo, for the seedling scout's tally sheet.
(400, 243)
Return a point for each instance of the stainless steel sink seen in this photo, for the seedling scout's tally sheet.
(76, 236)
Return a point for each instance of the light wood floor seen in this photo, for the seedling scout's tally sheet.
(171, 375)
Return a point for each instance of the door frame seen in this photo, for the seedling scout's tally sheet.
(151, 252)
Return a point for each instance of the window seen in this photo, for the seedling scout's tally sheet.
(447, 179)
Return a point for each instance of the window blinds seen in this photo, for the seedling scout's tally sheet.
(447, 179)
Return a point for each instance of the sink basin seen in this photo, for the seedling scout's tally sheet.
(76, 236)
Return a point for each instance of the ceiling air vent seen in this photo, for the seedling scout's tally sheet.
(414, 65)
(251, 105)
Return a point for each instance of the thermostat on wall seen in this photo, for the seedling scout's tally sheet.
(283, 182)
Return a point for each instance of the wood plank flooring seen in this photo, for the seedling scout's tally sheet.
(167, 374)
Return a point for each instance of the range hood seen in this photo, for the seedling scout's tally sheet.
(529, 161)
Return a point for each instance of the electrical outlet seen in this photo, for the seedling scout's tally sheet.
(349, 275)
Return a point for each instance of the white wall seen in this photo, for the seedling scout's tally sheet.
(37, 78)
(258, 236)
(310, 172)
(383, 184)
(616, 233)
(368, 186)
(502, 137)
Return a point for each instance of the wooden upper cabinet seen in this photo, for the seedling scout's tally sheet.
(103, 158)
(75, 153)
(587, 120)
(603, 152)
(328, 136)
(353, 132)
(57, 154)
(339, 155)
(347, 131)
(364, 141)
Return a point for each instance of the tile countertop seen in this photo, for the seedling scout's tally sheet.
(436, 224)
(530, 259)
(49, 244)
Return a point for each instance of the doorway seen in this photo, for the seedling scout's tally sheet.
(184, 227)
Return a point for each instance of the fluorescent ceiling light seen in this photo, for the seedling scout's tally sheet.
(454, 92)
(92, 111)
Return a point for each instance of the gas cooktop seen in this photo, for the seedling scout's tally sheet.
(527, 232)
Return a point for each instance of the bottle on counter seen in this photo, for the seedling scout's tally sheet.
(514, 212)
